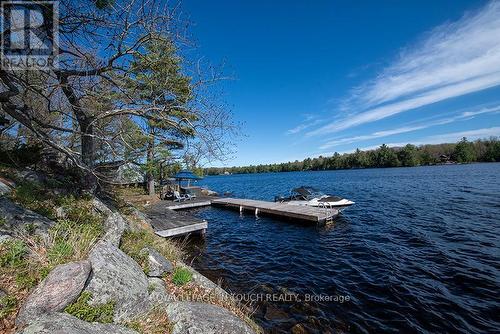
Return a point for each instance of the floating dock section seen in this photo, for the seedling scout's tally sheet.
(280, 210)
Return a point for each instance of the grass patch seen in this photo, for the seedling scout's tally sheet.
(134, 241)
(156, 322)
(72, 240)
(8, 305)
(33, 196)
(60, 251)
(181, 276)
(12, 253)
(98, 313)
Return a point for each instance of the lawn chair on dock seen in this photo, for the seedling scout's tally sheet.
(180, 198)
(190, 195)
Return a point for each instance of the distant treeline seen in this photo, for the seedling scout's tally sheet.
(485, 150)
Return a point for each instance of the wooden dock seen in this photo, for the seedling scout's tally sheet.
(167, 222)
(190, 204)
(282, 210)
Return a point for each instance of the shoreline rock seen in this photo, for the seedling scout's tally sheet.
(191, 318)
(158, 294)
(68, 324)
(158, 265)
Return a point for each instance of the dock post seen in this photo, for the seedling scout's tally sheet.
(241, 208)
(257, 212)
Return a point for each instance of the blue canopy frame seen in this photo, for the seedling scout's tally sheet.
(186, 174)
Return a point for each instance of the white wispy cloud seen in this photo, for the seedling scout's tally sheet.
(309, 122)
(409, 128)
(452, 60)
(451, 137)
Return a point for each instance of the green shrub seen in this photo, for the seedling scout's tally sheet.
(12, 253)
(99, 313)
(7, 306)
(181, 276)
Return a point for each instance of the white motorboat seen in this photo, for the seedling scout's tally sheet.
(312, 197)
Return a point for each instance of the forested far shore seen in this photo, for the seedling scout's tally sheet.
(482, 150)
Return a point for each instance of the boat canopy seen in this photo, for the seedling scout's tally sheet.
(186, 175)
(307, 192)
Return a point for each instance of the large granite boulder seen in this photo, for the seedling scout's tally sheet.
(158, 265)
(60, 288)
(114, 226)
(117, 277)
(62, 323)
(200, 318)
(17, 219)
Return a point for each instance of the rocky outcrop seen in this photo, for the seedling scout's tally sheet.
(158, 265)
(199, 318)
(117, 277)
(114, 226)
(60, 288)
(100, 207)
(158, 294)
(31, 175)
(110, 275)
(17, 219)
(62, 323)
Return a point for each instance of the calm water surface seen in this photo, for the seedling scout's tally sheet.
(418, 252)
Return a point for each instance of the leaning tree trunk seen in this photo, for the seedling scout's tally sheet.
(87, 135)
(149, 163)
(88, 154)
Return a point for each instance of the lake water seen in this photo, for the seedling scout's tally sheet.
(418, 252)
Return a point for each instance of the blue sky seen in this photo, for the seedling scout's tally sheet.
(317, 77)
